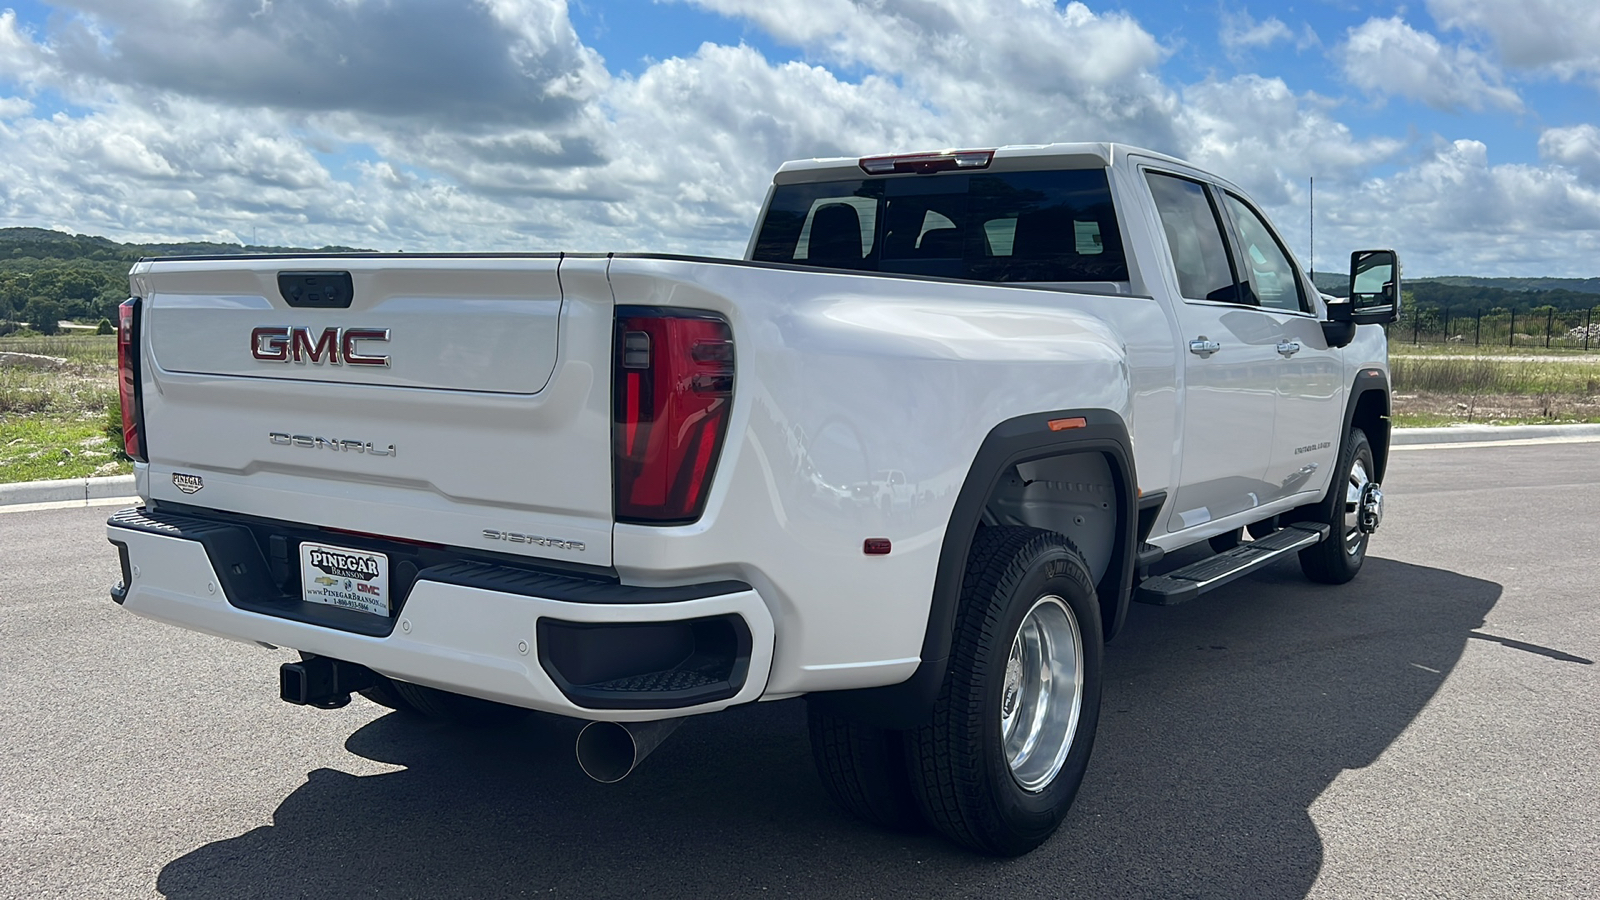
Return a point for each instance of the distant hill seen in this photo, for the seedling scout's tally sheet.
(43, 243)
(45, 274)
(1464, 293)
(1573, 285)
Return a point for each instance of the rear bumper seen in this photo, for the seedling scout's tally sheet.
(467, 629)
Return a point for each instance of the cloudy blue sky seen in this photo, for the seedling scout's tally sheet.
(1464, 132)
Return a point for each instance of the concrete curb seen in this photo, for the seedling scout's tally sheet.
(84, 490)
(69, 490)
(1477, 434)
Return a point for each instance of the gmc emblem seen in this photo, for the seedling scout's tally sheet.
(334, 345)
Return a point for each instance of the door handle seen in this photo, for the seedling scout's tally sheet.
(1203, 347)
(1289, 348)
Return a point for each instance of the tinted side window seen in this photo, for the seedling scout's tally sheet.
(1194, 232)
(1271, 273)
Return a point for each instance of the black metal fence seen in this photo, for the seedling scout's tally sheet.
(1539, 328)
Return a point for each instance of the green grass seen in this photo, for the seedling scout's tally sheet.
(1397, 349)
(34, 448)
(1488, 375)
(77, 348)
(57, 422)
(1436, 420)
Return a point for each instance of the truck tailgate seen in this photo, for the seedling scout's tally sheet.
(461, 401)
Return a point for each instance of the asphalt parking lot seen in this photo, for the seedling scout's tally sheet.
(1431, 730)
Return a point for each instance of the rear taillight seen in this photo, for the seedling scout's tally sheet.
(672, 388)
(128, 378)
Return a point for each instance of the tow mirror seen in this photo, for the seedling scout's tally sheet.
(1374, 289)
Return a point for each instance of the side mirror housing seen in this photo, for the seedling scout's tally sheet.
(1374, 289)
(1338, 334)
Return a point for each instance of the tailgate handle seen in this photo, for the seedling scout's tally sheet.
(316, 290)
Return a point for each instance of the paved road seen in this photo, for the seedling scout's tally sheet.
(1432, 730)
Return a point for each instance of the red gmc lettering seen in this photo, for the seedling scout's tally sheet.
(270, 344)
(332, 345)
(327, 345)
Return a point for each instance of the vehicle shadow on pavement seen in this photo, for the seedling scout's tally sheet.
(1223, 721)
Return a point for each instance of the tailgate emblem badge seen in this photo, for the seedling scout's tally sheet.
(517, 537)
(315, 442)
(334, 346)
(187, 483)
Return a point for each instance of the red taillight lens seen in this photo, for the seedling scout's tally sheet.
(128, 378)
(672, 388)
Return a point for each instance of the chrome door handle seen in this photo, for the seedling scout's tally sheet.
(1203, 348)
(1289, 348)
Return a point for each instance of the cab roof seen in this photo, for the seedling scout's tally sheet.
(1011, 157)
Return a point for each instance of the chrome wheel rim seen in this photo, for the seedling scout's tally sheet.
(1043, 693)
(1355, 486)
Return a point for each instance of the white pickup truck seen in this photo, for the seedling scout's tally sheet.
(912, 457)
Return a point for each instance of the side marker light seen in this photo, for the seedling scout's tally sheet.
(875, 547)
(1067, 424)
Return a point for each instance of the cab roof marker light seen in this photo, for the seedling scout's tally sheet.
(926, 163)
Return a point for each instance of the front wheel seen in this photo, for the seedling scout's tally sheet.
(1338, 557)
(1000, 762)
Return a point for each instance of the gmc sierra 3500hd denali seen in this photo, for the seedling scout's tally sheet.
(912, 457)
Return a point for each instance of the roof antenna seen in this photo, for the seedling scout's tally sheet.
(1313, 231)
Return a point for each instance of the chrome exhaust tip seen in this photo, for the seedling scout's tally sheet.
(609, 751)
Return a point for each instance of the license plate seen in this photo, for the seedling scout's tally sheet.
(340, 576)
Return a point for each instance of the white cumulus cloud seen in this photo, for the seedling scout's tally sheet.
(510, 134)
(1562, 36)
(1577, 147)
(1241, 31)
(1389, 57)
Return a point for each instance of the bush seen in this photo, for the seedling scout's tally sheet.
(113, 430)
(43, 315)
(104, 327)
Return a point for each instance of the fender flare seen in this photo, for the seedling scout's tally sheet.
(1013, 441)
(1371, 380)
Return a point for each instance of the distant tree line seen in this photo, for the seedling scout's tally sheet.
(1462, 295)
(48, 276)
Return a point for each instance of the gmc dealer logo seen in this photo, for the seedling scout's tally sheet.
(333, 345)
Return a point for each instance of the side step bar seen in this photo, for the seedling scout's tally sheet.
(1195, 579)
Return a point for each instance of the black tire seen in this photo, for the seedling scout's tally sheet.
(1222, 543)
(864, 770)
(960, 774)
(456, 709)
(1337, 558)
(1259, 530)
(384, 694)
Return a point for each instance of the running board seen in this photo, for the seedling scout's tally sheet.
(1195, 579)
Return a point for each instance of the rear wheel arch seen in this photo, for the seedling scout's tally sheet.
(1028, 442)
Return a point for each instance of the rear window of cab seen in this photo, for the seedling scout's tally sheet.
(1055, 226)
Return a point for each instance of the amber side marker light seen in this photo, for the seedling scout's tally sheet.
(875, 547)
(1067, 424)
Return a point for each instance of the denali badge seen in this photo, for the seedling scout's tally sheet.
(187, 483)
(334, 345)
(519, 538)
(314, 442)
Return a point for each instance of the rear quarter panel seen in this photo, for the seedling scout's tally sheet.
(860, 404)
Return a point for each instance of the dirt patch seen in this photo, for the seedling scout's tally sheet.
(1491, 409)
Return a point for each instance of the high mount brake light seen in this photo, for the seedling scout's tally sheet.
(927, 163)
(128, 388)
(672, 387)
